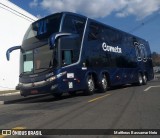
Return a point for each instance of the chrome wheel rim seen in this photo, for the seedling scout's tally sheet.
(90, 85)
(140, 79)
(104, 83)
(145, 78)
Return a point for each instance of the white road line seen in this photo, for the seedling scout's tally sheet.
(151, 87)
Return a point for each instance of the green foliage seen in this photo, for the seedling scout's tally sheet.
(156, 59)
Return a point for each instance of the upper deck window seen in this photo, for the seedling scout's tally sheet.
(73, 24)
(94, 32)
(44, 27)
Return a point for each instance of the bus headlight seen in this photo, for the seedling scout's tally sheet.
(51, 79)
(56, 77)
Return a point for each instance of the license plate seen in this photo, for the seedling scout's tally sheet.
(34, 91)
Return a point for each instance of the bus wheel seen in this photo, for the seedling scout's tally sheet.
(90, 86)
(144, 79)
(140, 79)
(103, 84)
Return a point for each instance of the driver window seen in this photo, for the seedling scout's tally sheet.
(67, 56)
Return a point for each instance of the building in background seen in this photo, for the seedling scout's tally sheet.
(14, 22)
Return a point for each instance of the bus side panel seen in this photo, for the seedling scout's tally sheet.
(148, 63)
(121, 65)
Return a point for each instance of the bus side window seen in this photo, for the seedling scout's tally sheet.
(94, 32)
(74, 25)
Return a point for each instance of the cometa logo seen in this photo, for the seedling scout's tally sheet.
(111, 48)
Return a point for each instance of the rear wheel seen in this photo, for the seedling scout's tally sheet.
(103, 84)
(90, 86)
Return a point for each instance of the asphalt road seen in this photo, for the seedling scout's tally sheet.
(129, 107)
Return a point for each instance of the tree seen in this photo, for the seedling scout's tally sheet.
(156, 59)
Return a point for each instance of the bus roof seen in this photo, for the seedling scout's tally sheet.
(76, 14)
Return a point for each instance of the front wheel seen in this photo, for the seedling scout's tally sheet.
(140, 79)
(90, 86)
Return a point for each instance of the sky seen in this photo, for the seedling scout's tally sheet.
(138, 17)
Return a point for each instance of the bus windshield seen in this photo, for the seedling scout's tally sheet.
(44, 27)
(38, 60)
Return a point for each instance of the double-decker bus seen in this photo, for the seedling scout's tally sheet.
(68, 52)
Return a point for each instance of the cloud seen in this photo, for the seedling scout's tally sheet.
(33, 4)
(101, 8)
(139, 8)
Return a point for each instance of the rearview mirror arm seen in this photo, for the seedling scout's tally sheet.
(10, 50)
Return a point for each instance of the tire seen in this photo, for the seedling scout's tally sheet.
(144, 79)
(90, 86)
(103, 84)
(140, 79)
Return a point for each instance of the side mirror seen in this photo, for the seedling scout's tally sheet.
(55, 36)
(10, 50)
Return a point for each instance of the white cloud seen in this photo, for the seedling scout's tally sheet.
(140, 8)
(101, 8)
(39, 16)
(33, 4)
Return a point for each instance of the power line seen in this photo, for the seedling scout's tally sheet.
(16, 12)
(144, 23)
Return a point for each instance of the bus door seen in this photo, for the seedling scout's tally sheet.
(70, 49)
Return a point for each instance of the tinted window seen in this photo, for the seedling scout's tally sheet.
(112, 36)
(44, 27)
(94, 32)
(73, 24)
(70, 47)
(103, 33)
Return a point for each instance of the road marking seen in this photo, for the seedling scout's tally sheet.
(151, 87)
(95, 99)
(20, 128)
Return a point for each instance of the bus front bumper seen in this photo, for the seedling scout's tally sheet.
(42, 87)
